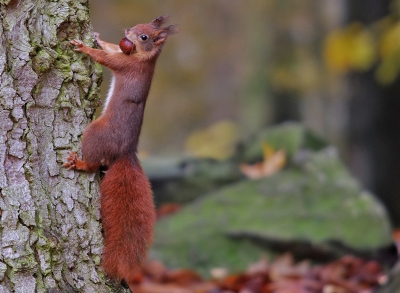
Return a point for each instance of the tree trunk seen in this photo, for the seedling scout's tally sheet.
(374, 122)
(50, 231)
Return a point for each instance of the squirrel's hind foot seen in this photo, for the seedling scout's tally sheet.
(72, 160)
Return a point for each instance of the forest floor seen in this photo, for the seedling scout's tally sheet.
(348, 274)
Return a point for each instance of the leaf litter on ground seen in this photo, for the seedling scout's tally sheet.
(348, 274)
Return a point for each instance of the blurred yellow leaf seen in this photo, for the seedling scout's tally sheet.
(388, 69)
(350, 48)
(217, 141)
(390, 41)
(272, 163)
(301, 75)
(389, 48)
(268, 151)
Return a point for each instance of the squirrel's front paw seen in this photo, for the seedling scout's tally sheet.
(71, 161)
(97, 39)
(78, 45)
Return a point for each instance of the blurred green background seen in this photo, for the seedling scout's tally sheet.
(236, 67)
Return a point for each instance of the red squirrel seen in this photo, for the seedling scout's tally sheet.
(127, 208)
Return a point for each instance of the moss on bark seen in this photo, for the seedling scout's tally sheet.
(50, 233)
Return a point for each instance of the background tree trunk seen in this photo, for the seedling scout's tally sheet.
(50, 231)
(374, 124)
(374, 131)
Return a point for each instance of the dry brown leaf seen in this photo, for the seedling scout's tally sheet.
(205, 287)
(287, 286)
(155, 270)
(167, 209)
(182, 277)
(219, 273)
(234, 283)
(272, 163)
(261, 266)
(162, 288)
(282, 267)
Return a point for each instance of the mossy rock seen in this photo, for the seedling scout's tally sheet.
(315, 199)
(182, 179)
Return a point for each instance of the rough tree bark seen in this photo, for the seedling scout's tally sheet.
(50, 231)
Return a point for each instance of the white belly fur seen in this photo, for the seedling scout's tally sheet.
(110, 93)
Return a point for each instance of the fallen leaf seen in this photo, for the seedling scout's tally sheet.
(234, 283)
(167, 209)
(272, 163)
(262, 266)
(182, 277)
(218, 273)
(155, 270)
(162, 288)
(348, 274)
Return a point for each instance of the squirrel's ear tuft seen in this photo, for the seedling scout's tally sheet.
(159, 21)
(163, 33)
(171, 29)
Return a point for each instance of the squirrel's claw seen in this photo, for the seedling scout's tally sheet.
(78, 44)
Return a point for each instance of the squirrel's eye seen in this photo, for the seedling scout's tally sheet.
(143, 37)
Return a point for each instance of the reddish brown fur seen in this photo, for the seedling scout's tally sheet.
(127, 208)
(128, 219)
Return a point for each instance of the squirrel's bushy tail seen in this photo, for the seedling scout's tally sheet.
(128, 218)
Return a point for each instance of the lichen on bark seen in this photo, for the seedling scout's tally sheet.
(50, 232)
